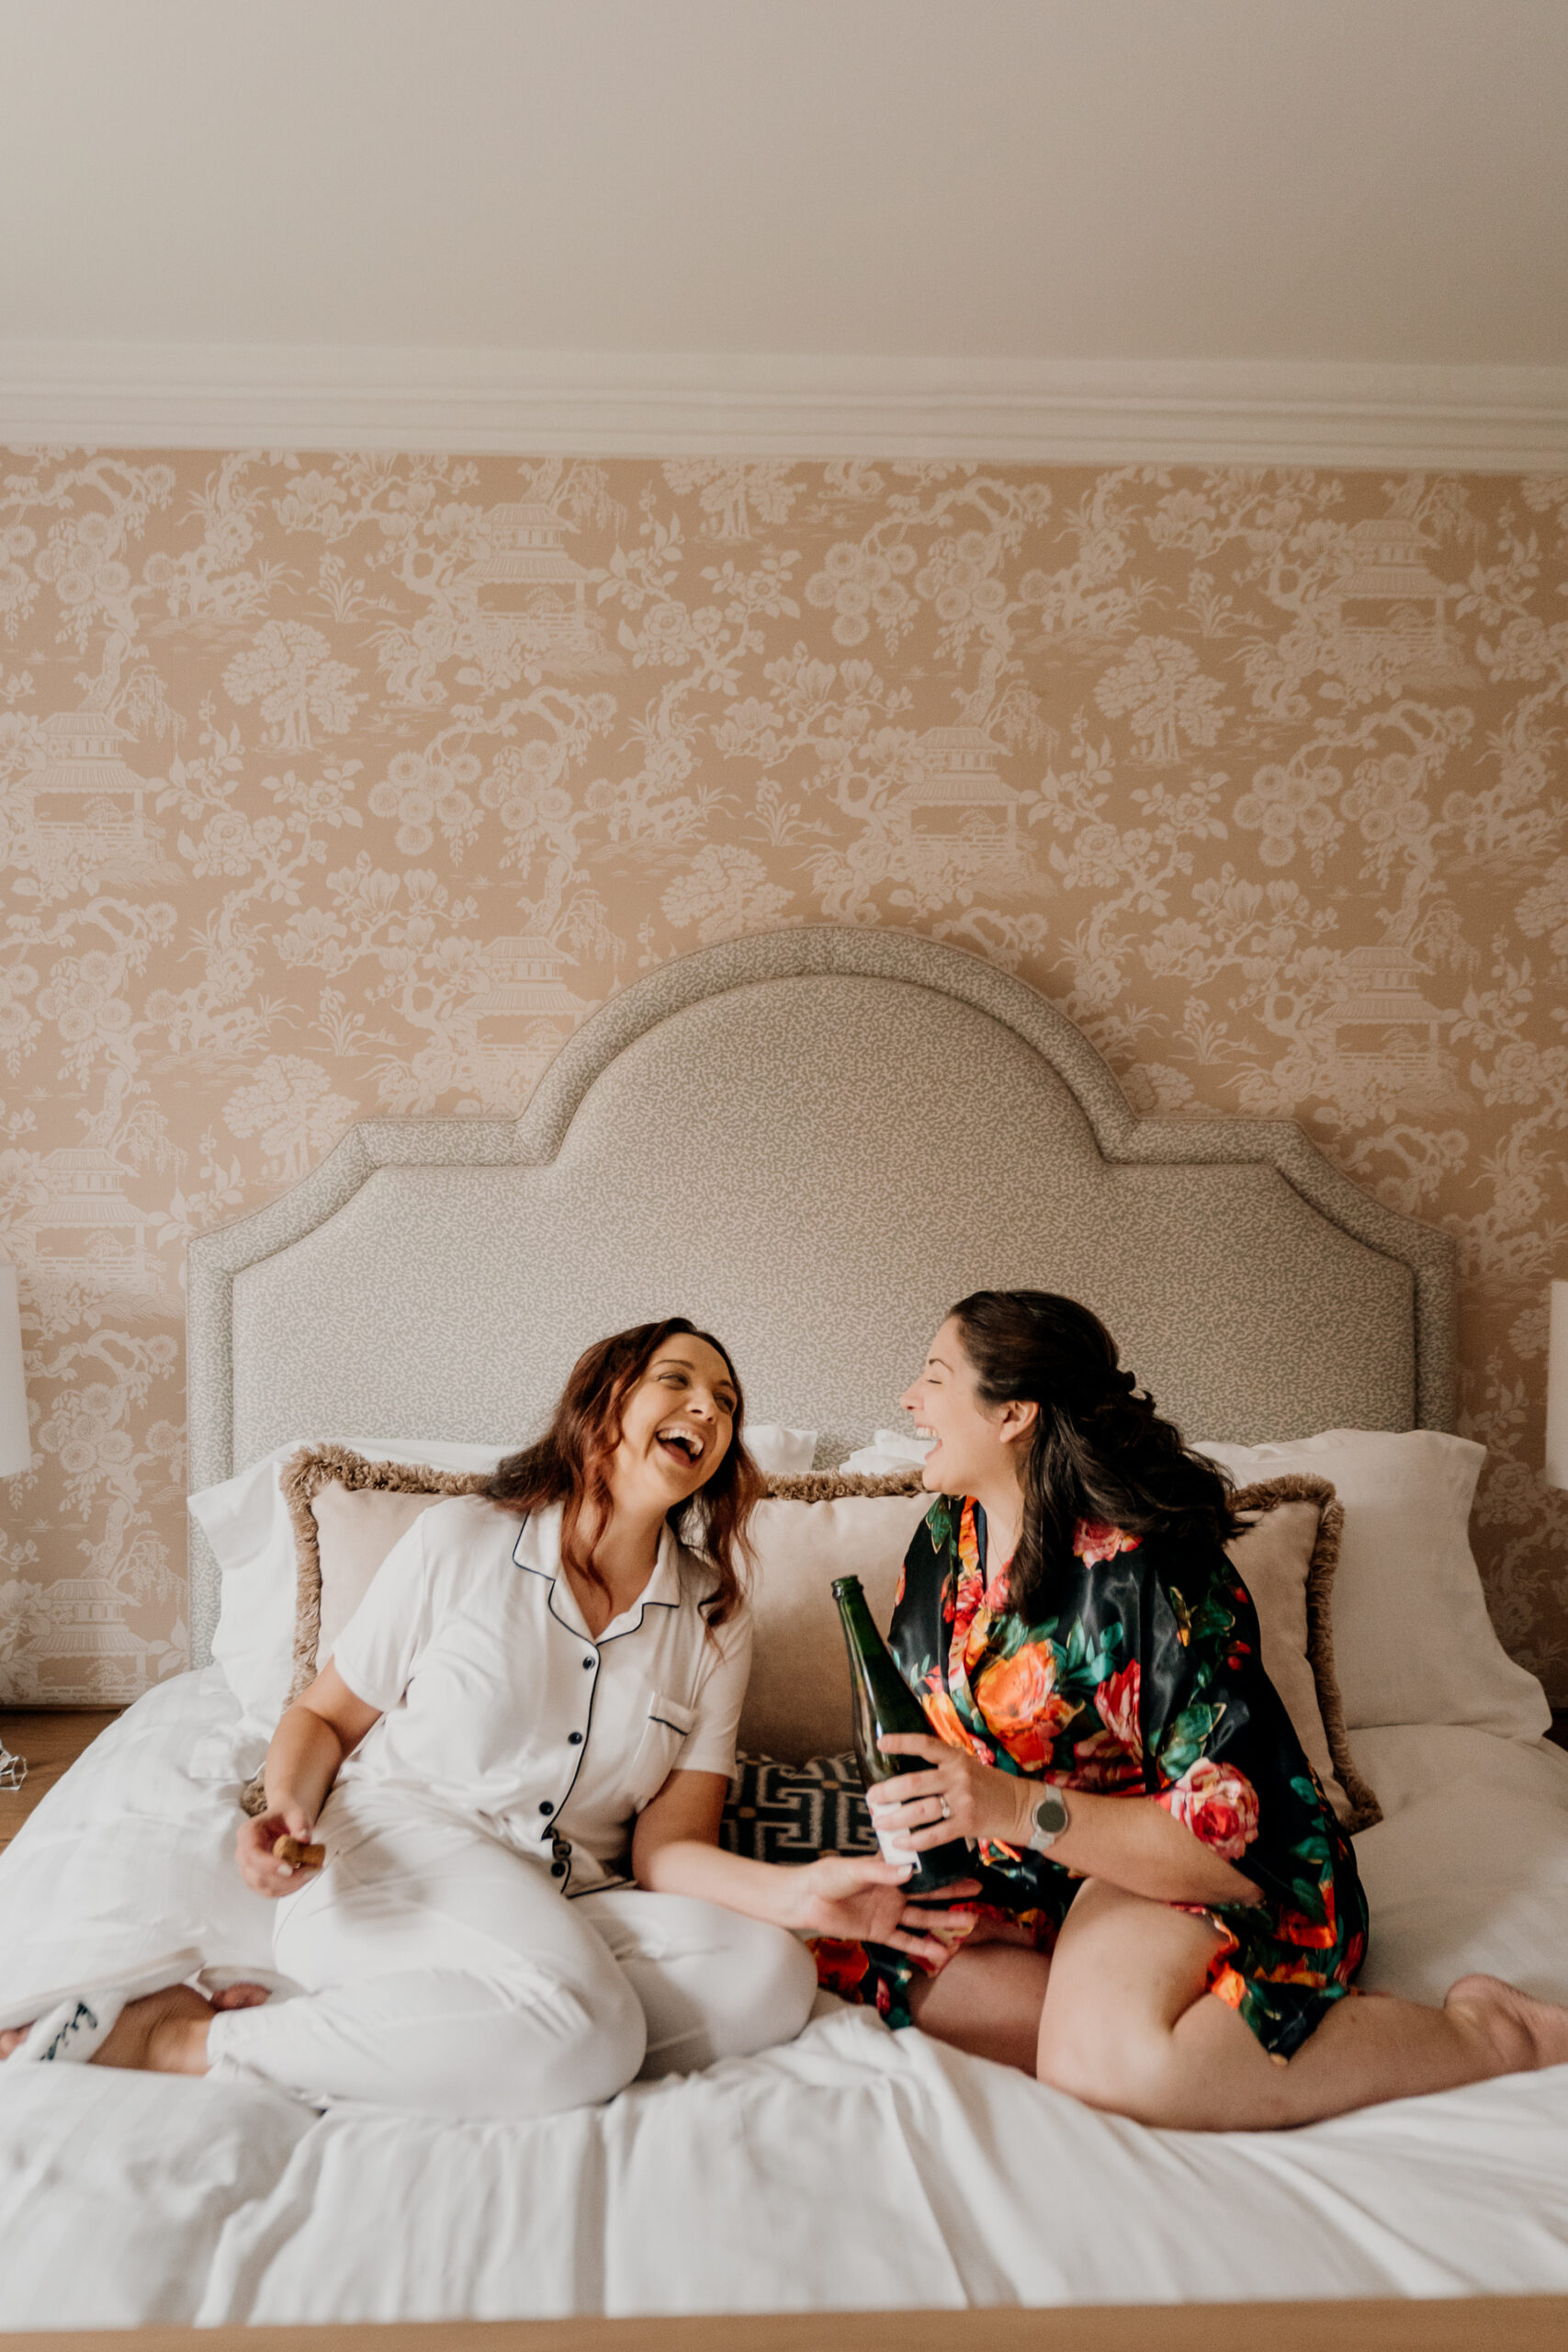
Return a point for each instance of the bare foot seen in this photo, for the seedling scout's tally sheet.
(1525, 2033)
(163, 2033)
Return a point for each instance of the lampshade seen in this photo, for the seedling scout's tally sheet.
(1557, 1389)
(16, 1446)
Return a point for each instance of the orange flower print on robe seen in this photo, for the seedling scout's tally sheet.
(1218, 1803)
(1111, 1761)
(948, 1723)
(1094, 1542)
(1118, 1699)
(1018, 1697)
(1101, 1764)
(841, 1966)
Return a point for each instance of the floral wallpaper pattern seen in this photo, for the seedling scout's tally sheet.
(340, 785)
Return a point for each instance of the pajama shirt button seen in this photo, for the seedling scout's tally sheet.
(557, 1870)
(574, 1739)
(547, 1806)
(588, 1665)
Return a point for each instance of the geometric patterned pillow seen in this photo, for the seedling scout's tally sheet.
(792, 1813)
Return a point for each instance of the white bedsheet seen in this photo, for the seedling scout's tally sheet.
(855, 2168)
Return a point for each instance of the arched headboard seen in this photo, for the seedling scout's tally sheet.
(810, 1142)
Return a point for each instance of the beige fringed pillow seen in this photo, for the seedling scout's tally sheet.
(1286, 1559)
(808, 1532)
(812, 1530)
(348, 1512)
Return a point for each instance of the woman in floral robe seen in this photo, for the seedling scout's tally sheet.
(1071, 1622)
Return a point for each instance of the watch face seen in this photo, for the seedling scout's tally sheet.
(1051, 1815)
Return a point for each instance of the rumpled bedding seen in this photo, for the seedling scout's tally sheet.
(852, 2169)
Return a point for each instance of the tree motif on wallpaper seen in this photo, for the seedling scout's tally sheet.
(289, 672)
(352, 784)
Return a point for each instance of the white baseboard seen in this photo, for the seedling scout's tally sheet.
(202, 396)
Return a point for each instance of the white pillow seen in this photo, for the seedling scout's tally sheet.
(779, 1452)
(245, 1520)
(1413, 1642)
(890, 1450)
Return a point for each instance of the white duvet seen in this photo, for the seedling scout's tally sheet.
(854, 2168)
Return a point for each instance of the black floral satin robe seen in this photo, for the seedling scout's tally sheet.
(1144, 1680)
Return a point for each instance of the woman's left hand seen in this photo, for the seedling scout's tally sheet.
(959, 1797)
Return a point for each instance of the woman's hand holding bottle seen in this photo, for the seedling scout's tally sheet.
(862, 1900)
(959, 1797)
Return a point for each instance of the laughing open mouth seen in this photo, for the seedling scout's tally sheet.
(680, 1443)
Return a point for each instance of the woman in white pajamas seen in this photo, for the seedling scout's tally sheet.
(516, 1758)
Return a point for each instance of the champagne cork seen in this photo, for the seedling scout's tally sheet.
(293, 1856)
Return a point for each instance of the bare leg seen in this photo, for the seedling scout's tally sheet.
(1126, 2025)
(988, 2001)
(166, 2033)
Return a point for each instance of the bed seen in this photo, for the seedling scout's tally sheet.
(778, 1137)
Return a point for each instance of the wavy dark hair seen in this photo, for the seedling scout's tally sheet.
(1099, 1450)
(569, 1464)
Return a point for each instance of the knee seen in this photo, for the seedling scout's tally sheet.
(1122, 2078)
(591, 2046)
(1065, 2064)
(760, 1989)
(607, 2050)
(781, 1976)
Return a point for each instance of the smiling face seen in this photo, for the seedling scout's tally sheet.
(677, 1420)
(976, 1444)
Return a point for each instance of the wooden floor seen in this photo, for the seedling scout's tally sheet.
(51, 1739)
(1521, 2323)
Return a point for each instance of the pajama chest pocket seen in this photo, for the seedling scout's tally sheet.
(664, 1734)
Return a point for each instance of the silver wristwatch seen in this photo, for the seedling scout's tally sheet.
(1048, 1820)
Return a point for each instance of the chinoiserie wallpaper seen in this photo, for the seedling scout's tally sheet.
(341, 785)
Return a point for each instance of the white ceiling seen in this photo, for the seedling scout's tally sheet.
(1062, 182)
(1322, 179)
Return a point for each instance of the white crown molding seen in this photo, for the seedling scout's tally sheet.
(277, 396)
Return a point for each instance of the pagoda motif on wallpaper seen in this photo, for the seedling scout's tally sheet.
(1383, 1015)
(527, 1008)
(349, 785)
(88, 805)
(89, 1229)
(530, 592)
(960, 797)
(1391, 607)
(86, 1647)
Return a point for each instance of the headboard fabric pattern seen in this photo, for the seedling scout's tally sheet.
(810, 1142)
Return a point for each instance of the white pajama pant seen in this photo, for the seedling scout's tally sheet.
(444, 1971)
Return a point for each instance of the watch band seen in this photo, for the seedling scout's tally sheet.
(1050, 1819)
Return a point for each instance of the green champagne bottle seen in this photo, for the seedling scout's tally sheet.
(884, 1702)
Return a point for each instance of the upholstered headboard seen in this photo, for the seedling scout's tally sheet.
(810, 1142)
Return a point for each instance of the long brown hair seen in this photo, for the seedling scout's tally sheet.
(570, 1463)
(1099, 1450)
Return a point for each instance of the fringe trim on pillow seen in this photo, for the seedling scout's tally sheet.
(299, 1481)
(1297, 1487)
(837, 1486)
